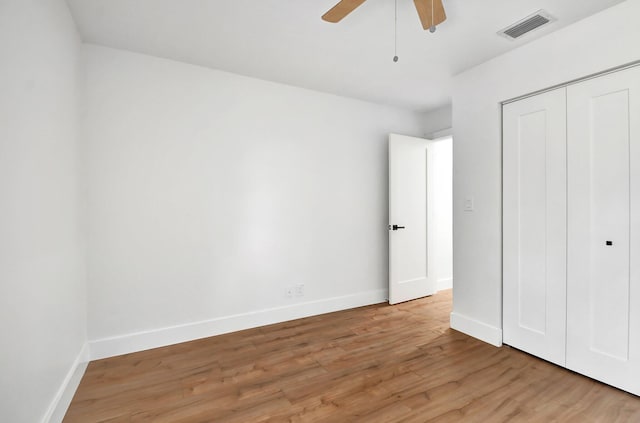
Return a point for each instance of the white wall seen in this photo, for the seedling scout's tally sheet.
(436, 121)
(602, 41)
(211, 193)
(42, 284)
(443, 213)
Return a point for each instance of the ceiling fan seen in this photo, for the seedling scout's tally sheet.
(431, 12)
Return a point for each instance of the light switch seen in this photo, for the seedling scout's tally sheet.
(468, 204)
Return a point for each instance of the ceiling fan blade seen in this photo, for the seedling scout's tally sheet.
(342, 9)
(431, 12)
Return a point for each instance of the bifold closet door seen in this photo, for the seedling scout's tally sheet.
(534, 225)
(603, 279)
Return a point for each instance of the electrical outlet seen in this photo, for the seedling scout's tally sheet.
(299, 290)
(289, 291)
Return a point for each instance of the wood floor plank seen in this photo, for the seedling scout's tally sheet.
(380, 363)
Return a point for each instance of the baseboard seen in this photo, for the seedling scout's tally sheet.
(118, 345)
(446, 283)
(472, 327)
(60, 404)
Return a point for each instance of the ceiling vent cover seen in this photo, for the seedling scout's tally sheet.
(526, 25)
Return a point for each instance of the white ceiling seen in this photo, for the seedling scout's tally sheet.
(286, 41)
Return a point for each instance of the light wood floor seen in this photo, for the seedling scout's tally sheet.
(373, 364)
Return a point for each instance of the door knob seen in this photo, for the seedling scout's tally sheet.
(395, 227)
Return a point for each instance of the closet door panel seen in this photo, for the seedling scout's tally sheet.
(603, 319)
(534, 225)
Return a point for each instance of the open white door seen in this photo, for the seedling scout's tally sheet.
(411, 243)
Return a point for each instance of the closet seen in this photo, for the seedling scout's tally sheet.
(571, 227)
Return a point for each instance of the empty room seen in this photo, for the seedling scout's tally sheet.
(319, 211)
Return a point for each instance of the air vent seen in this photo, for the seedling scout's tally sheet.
(526, 25)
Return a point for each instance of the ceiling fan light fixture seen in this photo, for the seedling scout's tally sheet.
(430, 12)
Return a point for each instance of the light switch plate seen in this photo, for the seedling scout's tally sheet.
(468, 204)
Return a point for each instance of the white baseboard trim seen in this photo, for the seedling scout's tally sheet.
(446, 283)
(60, 404)
(472, 327)
(118, 345)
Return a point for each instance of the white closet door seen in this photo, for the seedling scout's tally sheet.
(603, 307)
(534, 225)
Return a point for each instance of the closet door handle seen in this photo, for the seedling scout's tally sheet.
(395, 227)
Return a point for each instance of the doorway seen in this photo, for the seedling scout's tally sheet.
(443, 202)
(420, 217)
